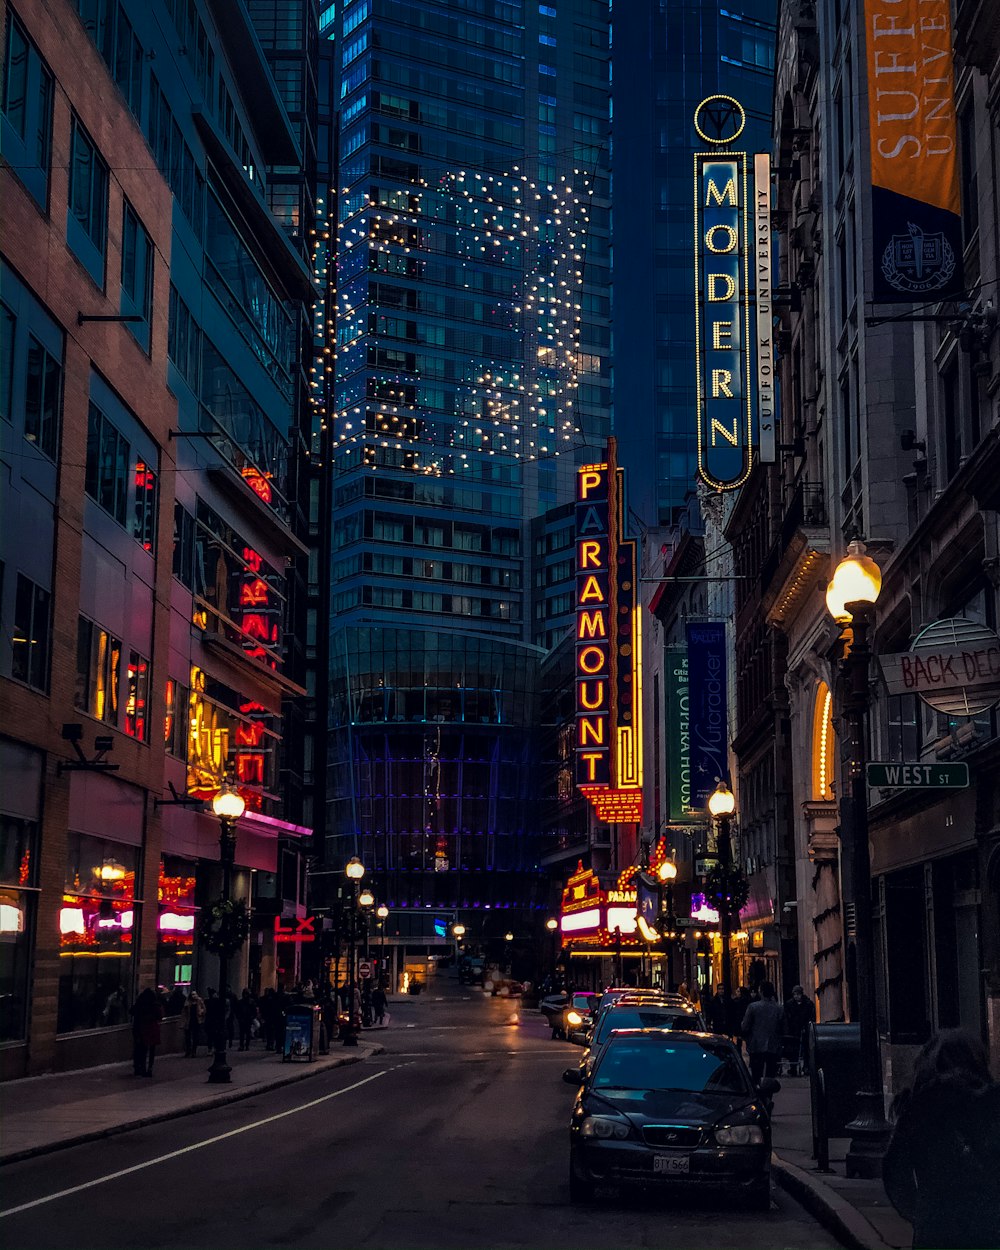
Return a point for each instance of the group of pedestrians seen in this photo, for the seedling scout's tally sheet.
(771, 1031)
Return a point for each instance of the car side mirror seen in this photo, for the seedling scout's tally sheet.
(573, 1076)
(768, 1086)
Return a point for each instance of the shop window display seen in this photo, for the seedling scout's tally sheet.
(97, 922)
(176, 924)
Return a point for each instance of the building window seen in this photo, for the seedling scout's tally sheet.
(184, 341)
(30, 640)
(113, 479)
(137, 697)
(951, 425)
(183, 565)
(137, 276)
(175, 926)
(42, 398)
(98, 664)
(903, 724)
(8, 324)
(87, 223)
(969, 171)
(97, 920)
(27, 111)
(175, 725)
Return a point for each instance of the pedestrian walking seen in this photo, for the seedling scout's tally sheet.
(763, 1028)
(246, 1014)
(269, 1018)
(215, 1019)
(942, 1168)
(192, 1022)
(799, 1011)
(716, 1011)
(378, 1004)
(147, 1012)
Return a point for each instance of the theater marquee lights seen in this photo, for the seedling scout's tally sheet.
(608, 646)
(722, 297)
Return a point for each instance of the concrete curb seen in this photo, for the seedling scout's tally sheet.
(835, 1213)
(217, 1100)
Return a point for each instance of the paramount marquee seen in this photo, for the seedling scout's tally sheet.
(608, 645)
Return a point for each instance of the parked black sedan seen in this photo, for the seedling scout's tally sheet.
(672, 1110)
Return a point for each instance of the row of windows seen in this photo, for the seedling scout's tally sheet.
(194, 42)
(387, 527)
(175, 159)
(425, 601)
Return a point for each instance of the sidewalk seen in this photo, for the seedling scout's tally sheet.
(857, 1212)
(45, 1113)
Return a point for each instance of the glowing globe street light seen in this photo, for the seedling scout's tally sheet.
(228, 805)
(354, 870)
(850, 599)
(721, 805)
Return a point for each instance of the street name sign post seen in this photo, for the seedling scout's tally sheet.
(918, 776)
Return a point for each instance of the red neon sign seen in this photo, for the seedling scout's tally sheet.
(303, 931)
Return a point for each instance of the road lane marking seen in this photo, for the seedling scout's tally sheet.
(175, 1154)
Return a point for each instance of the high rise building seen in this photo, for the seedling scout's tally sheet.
(668, 55)
(155, 288)
(472, 366)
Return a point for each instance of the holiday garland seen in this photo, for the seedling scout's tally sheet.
(720, 885)
(224, 927)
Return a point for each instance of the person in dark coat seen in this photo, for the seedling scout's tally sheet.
(942, 1168)
(762, 1027)
(246, 1014)
(378, 1004)
(147, 1012)
(716, 1013)
(799, 1011)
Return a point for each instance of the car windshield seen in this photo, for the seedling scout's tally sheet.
(636, 1018)
(655, 1063)
(583, 1000)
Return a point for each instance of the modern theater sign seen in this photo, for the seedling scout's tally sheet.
(722, 297)
(608, 691)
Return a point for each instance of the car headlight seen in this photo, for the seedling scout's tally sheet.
(604, 1126)
(740, 1135)
(573, 1018)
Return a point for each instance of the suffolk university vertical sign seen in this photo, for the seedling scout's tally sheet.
(916, 203)
(722, 297)
(608, 647)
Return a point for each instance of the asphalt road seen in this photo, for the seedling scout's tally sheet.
(455, 1139)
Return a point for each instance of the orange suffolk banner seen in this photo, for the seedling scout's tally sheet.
(916, 203)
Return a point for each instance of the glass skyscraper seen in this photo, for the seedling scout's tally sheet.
(668, 55)
(471, 373)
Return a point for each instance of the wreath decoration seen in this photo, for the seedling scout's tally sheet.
(224, 927)
(721, 885)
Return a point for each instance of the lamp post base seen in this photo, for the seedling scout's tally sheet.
(869, 1138)
(220, 1073)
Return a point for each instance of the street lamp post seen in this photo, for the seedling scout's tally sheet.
(553, 927)
(722, 804)
(850, 599)
(383, 914)
(667, 872)
(228, 805)
(355, 870)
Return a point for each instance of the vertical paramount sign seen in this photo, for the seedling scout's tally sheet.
(722, 298)
(916, 204)
(608, 690)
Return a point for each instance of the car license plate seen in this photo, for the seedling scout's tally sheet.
(671, 1165)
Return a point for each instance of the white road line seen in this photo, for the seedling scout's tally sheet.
(175, 1154)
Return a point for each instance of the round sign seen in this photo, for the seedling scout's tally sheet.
(719, 119)
(364, 970)
(962, 660)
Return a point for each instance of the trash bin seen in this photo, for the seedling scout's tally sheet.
(834, 1052)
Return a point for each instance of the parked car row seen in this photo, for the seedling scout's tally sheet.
(662, 1102)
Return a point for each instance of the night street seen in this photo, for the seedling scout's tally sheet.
(456, 1137)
